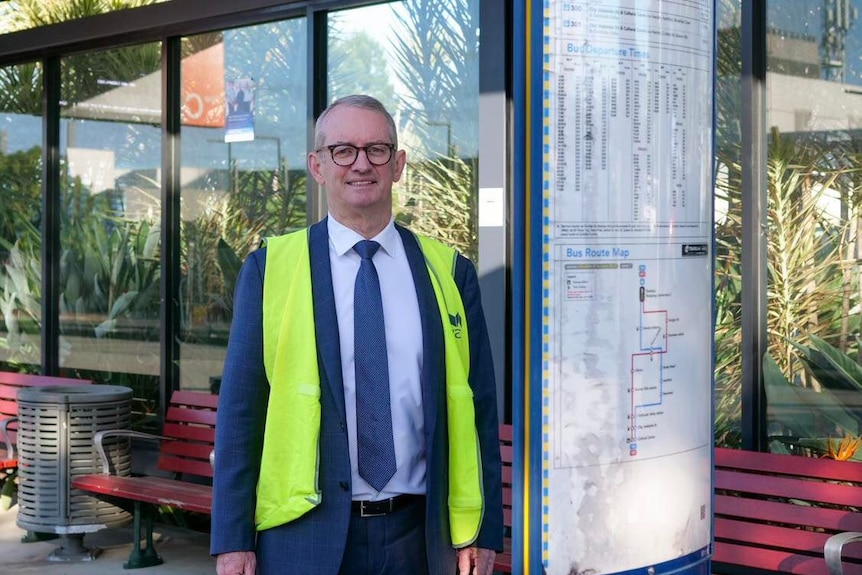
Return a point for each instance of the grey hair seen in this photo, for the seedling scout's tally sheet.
(355, 101)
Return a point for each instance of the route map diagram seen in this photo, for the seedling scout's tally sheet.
(648, 369)
(616, 306)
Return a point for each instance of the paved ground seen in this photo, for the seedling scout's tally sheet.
(185, 552)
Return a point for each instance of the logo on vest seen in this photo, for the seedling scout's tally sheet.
(455, 321)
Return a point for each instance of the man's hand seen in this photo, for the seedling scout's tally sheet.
(237, 563)
(481, 561)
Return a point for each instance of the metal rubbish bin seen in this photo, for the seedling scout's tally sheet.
(56, 425)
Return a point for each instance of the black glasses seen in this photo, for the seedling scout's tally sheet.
(345, 155)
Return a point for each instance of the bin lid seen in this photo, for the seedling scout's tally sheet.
(71, 394)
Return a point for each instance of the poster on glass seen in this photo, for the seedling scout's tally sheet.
(240, 110)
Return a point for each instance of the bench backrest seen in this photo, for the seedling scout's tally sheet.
(12, 382)
(190, 422)
(503, 561)
(507, 454)
(778, 508)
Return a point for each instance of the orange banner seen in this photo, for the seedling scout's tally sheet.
(203, 88)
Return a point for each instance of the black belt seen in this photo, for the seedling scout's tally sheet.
(384, 506)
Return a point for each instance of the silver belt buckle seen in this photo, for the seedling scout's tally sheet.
(364, 513)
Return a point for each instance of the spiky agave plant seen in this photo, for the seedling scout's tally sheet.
(441, 202)
(807, 291)
(805, 252)
(728, 305)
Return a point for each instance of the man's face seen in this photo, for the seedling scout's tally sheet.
(361, 189)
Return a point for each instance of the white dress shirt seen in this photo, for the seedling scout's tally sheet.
(403, 346)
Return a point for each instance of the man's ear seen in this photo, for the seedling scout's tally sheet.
(314, 168)
(398, 166)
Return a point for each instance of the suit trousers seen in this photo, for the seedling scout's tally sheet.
(391, 544)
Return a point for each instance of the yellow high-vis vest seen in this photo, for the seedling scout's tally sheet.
(288, 483)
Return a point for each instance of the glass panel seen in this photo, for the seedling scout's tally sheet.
(421, 60)
(20, 212)
(110, 219)
(814, 114)
(18, 15)
(728, 227)
(243, 172)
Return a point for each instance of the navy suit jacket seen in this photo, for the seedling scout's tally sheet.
(314, 543)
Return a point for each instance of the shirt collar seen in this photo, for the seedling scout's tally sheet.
(343, 238)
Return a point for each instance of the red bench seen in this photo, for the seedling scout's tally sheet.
(503, 562)
(10, 384)
(776, 512)
(186, 445)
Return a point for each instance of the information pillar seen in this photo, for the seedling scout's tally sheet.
(627, 222)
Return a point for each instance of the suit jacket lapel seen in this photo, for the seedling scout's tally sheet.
(325, 320)
(433, 358)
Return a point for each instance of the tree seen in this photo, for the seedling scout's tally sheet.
(358, 65)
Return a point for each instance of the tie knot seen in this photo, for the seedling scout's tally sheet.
(366, 248)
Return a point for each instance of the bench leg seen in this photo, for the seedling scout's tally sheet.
(146, 557)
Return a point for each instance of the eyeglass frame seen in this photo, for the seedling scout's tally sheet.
(392, 149)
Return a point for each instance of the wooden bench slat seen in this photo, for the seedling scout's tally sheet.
(507, 496)
(178, 465)
(16, 379)
(155, 490)
(776, 511)
(766, 559)
(773, 463)
(8, 401)
(200, 451)
(191, 415)
(188, 432)
(781, 486)
(194, 398)
(765, 535)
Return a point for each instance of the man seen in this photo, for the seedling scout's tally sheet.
(314, 473)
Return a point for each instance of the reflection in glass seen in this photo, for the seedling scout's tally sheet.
(814, 111)
(110, 220)
(27, 14)
(20, 240)
(728, 226)
(422, 61)
(243, 173)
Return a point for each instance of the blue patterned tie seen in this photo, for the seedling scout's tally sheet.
(376, 448)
